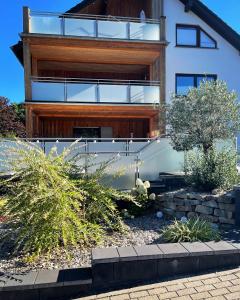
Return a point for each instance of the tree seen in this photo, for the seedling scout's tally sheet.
(205, 114)
(20, 111)
(10, 125)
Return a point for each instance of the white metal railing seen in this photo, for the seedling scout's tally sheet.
(91, 90)
(94, 26)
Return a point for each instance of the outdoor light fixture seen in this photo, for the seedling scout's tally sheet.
(57, 141)
(113, 141)
(158, 141)
(148, 141)
(130, 142)
(118, 155)
(37, 141)
(95, 141)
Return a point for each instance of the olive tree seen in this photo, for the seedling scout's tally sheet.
(205, 114)
(196, 121)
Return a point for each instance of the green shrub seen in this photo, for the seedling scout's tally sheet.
(192, 230)
(52, 203)
(212, 170)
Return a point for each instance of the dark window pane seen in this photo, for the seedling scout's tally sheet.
(187, 36)
(86, 132)
(206, 41)
(184, 83)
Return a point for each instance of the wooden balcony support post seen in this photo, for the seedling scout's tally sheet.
(26, 19)
(27, 70)
(29, 122)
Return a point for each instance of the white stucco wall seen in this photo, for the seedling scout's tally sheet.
(224, 61)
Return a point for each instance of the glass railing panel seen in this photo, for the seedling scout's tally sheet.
(46, 24)
(125, 165)
(145, 94)
(80, 27)
(137, 146)
(144, 31)
(113, 93)
(60, 146)
(107, 147)
(160, 157)
(47, 91)
(80, 92)
(112, 30)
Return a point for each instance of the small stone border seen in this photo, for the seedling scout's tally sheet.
(116, 267)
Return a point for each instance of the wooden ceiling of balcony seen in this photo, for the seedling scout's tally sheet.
(69, 110)
(90, 67)
(94, 51)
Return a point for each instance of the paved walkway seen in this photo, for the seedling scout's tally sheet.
(216, 286)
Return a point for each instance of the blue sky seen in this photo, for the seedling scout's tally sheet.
(11, 72)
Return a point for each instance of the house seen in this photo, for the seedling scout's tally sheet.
(103, 68)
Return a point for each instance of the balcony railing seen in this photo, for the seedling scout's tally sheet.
(96, 91)
(93, 26)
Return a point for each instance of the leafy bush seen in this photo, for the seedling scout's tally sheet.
(52, 203)
(212, 170)
(192, 230)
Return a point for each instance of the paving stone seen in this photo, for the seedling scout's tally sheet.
(127, 253)
(217, 298)
(148, 252)
(235, 281)
(197, 248)
(219, 292)
(176, 287)
(47, 278)
(211, 280)
(173, 250)
(187, 291)
(205, 288)
(222, 247)
(234, 288)
(193, 284)
(120, 297)
(223, 284)
(157, 291)
(152, 297)
(200, 296)
(168, 295)
(21, 281)
(138, 294)
(232, 296)
(105, 255)
(187, 297)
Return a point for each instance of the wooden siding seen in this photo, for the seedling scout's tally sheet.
(122, 128)
(123, 8)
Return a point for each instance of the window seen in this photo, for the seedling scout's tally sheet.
(184, 82)
(86, 132)
(193, 36)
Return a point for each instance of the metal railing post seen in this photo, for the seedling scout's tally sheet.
(96, 28)
(128, 31)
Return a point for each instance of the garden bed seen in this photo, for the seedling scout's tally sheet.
(140, 231)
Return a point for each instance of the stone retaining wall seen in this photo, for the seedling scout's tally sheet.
(213, 208)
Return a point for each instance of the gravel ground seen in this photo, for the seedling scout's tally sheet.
(140, 231)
